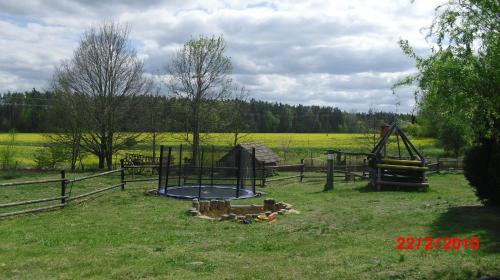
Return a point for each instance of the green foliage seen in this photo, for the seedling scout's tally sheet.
(50, 156)
(458, 86)
(8, 152)
(482, 169)
(453, 137)
(271, 121)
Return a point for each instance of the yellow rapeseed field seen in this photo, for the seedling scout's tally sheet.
(26, 144)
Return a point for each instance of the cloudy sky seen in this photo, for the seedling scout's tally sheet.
(336, 53)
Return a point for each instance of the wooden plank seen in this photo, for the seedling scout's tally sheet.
(282, 178)
(30, 182)
(384, 139)
(284, 166)
(95, 175)
(405, 139)
(402, 184)
(31, 210)
(94, 192)
(402, 162)
(402, 167)
(141, 166)
(30, 201)
(141, 180)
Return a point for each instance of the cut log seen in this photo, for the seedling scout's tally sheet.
(403, 184)
(402, 167)
(402, 162)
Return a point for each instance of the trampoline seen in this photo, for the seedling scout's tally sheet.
(207, 177)
(207, 192)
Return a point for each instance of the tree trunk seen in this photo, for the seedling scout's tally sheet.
(109, 151)
(196, 145)
(101, 160)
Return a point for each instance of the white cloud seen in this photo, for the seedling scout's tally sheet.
(339, 53)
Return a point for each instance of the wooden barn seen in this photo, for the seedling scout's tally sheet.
(264, 156)
(397, 170)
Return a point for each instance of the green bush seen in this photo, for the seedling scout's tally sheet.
(8, 152)
(482, 170)
(50, 156)
(454, 137)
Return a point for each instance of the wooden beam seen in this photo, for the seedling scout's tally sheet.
(402, 184)
(403, 162)
(402, 167)
(403, 136)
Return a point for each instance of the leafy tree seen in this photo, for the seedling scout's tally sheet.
(271, 122)
(454, 137)
(199, 74)
(459, 81)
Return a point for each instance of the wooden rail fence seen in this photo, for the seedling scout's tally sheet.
(64, 198)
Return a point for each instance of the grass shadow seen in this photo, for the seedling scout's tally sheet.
(482, 221)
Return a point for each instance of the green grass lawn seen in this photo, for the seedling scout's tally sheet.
(349, 233)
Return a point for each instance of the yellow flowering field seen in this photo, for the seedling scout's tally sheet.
(297, 145)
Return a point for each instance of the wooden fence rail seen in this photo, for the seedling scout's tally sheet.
(10, 184)
(63, 197)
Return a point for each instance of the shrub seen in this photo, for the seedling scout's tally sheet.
(50, 156)
(8, 152)
(482, 170)
(454, 137)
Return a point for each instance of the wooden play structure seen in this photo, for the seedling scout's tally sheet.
(407, 169)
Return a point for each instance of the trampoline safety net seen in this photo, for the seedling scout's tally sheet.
(214, 174)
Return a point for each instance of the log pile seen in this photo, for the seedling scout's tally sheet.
(223, 210)
(399, 172)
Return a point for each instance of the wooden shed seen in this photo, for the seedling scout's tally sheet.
(264, 156)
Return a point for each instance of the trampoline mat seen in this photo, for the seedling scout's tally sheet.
(207, 192)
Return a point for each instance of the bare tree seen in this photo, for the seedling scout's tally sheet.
(103, 77)
(199, 73)
(236, 117)
(156, 120)
(69, 126)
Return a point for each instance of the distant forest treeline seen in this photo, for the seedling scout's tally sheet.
(33, 112)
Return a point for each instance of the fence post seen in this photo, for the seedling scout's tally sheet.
(212, 169)
(122, 174)
(329, 175)
(302, 170)
(263, 174)
(63, 188)
(180, 166)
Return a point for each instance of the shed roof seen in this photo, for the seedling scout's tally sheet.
(262, 152)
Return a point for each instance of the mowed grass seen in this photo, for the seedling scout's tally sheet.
(349, 233)
(290, 146)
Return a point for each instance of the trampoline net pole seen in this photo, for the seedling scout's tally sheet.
(200, 174)
(160, 169)
(212, 169)
(238, 171)
(180, 165)
(168, 169)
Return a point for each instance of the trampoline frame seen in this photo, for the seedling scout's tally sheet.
(244, 193)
